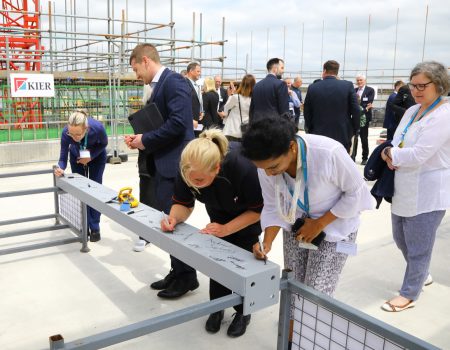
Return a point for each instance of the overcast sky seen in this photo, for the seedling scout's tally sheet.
(258, 18)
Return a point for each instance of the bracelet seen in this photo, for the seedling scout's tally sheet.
(385, 151)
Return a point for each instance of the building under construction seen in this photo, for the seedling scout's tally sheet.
(90, 70)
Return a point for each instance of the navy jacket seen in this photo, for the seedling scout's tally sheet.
(389, 115)
(269, 97)
(331, 109)
(377, 169)
(172, 96)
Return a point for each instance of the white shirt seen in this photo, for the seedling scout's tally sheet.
(148, 88)
(232, 120)
(422, 180)
(334, 183)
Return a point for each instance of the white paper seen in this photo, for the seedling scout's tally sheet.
(348, 248)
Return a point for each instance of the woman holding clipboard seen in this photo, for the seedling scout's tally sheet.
(85, 140)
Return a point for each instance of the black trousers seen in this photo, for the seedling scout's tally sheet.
(159, 190)
(364, 134)
(216, 290)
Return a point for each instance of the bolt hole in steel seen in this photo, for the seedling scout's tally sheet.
(272, 278)
(252, 284)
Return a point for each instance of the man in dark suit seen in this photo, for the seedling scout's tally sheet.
(270, 95)
(403, 100)
(390, 122)
(223, 94)
(193, 73)
(331, 107)
(366, 96)
(163, 147)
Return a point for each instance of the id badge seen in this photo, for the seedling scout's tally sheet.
(365, 99)
(85, 154)
(348, 248)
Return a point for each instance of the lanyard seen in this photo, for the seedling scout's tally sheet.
(401, 144)
(303, 206)
(83, 147)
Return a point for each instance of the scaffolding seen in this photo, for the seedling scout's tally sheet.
(89, 58)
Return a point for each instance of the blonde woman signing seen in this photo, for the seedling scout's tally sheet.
(215, 173)
(237, 108)
(85, 140)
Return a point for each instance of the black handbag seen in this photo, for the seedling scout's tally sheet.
(244, 126)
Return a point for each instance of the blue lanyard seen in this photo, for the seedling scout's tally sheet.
(414, 117)
(305, 206)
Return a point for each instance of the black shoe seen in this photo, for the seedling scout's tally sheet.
(364, 162)
(94, 236)
(239, 325)
(178, 288)
(164, 283)
(213, 323)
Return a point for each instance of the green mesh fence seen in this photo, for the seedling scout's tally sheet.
(28, 119)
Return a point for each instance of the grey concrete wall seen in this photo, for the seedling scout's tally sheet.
(41, 151)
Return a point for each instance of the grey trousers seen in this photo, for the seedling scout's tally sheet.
(415, 237)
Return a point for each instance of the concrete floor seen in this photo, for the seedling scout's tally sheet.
(60, 290)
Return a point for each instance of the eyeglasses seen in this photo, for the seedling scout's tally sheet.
(419, 87)
(76, 135)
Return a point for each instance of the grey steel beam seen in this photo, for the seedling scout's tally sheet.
(31, 218)
(27, 192)
(33, 230)
(141, 328)
(235, 268)
(39, 246)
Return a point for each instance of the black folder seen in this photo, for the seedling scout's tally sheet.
(146, 119)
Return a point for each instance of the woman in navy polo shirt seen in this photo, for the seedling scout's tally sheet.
(85, 140)
(215, 173)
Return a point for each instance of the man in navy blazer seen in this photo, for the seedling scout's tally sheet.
(366, 96)
(390, 122)
(270, 95)
(331, 107)
(163, 147)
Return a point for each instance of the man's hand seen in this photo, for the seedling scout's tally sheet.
(216, 229)
(134, 141)
(83, 161)
(309, 230)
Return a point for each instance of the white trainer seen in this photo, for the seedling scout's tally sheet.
(428, 281)
(140, 245)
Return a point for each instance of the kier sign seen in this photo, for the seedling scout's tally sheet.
(32, 85)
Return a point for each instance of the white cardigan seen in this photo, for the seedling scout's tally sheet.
(232, 120)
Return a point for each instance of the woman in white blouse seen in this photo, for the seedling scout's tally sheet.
(421, 158)
(237, 107)
(310, 177)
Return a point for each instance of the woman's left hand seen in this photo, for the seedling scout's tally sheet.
(84, 161)
(215, 229)
(310, 230)
(385, 155)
